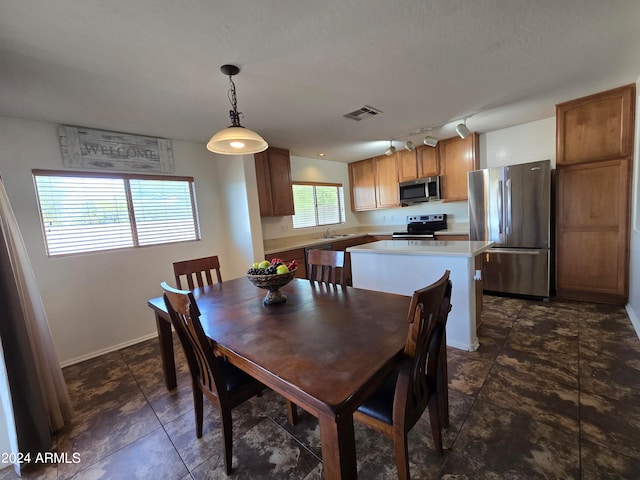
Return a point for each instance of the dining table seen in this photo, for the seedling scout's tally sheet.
(326, 349)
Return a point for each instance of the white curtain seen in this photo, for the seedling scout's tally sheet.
(38, 392)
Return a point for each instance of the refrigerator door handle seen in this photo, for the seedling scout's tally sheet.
(500, 212)
(507, 195)
(514, 251)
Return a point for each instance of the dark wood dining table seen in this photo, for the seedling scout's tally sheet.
(326, 349)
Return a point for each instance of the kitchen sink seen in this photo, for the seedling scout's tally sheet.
(330, 237)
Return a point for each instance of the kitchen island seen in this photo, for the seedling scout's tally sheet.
(403, 266)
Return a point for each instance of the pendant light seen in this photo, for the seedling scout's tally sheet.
(235, 139)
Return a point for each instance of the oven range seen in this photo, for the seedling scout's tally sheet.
(422, 227)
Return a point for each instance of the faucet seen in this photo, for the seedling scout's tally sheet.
(327, 233)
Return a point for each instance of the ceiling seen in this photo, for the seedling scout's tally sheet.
(151, 67)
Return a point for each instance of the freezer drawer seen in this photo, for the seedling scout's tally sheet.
(518, 271)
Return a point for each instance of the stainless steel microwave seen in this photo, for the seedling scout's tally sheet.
(421, 190)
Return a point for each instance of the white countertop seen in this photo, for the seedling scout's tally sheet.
(291, 243)
(423, 247)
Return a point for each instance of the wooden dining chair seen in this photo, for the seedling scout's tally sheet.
(326, 266)
(198, 271)
(398, 404)
(221, 382)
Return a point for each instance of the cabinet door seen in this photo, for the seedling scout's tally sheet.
(387, 194)
(281, 187)
(264, 183)
(363, 185)
(288, 255)
(595, 128)
(273, 175)
(457, 158)
(592, 231)
(407, 165)
(427, 161)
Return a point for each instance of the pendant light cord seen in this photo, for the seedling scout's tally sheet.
(234, 115)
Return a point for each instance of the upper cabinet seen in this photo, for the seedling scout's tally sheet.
(362, 179)
(419, 163)
(457, 158)
(273, 173)
(387, 193)
(374, 183)
(595, 128)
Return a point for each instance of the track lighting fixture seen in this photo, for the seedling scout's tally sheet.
(391, 150)
(409, 145)
(430, 140)
(462, 129)
(235, 139)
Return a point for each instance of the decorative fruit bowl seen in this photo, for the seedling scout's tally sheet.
(273, 284)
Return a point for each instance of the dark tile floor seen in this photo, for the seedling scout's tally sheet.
(553, 392)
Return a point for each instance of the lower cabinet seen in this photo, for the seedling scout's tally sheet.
(295, 254)
(451, 237)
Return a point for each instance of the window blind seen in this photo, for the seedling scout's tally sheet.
(317, 204)
(104, 212)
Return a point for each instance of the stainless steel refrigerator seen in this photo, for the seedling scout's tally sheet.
(512, 206)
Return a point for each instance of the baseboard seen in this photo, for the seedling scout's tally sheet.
(97, 353)
(635, 321)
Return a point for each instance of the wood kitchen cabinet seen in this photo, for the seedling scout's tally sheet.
(592, 231)
(457, 158)
(419, 163)
(296, 254)
(387, 194)
(374, 183)
(593, 191)
(597, 127)
(275, 191)
(362, 180)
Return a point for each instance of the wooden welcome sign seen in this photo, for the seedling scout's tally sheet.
(89, 148)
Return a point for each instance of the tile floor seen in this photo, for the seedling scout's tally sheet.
(553, 392)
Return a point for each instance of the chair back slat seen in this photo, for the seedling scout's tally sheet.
(197, 272)
(198, 348)
(419, 372)
(326, 266)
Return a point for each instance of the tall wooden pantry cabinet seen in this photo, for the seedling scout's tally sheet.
(593, 190)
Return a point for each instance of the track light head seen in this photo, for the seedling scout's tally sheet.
(390, 151)
(462, 129)
(430, 141)
(409, 145)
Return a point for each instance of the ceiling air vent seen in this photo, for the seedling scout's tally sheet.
(361, 113)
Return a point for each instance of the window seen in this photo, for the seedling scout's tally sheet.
(317, 204)
(95, 212)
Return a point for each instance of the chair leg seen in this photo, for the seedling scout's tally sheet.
(443, 386)
(197, 409)
(227, 438)
(434, 418)
(401, 453)
(292, 412)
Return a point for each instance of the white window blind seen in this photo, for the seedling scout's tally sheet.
(102, 212)
(317, 204)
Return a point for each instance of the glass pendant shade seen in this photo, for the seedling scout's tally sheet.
(237, 141)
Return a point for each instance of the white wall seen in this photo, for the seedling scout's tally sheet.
(520, 144)
(311, 170)
(633, 307)
(97, 302)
